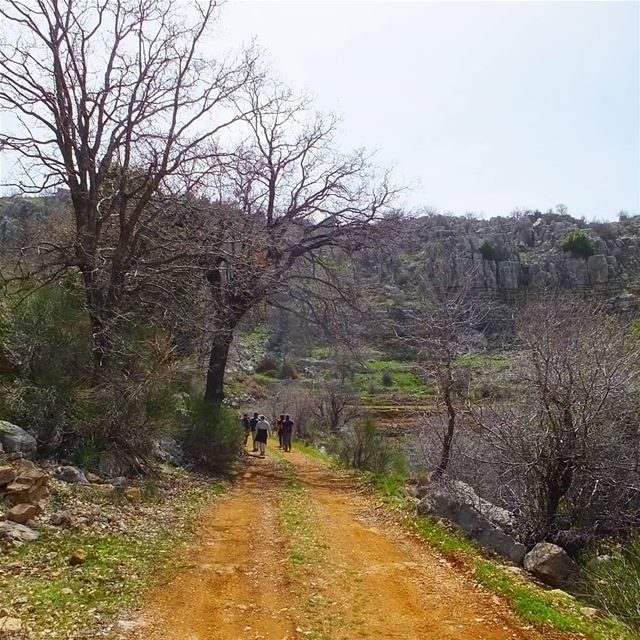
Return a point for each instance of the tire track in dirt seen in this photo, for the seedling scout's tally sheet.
(385, 583)
(235, 584)
(373, 579)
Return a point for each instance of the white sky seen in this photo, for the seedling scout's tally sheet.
(488, 105)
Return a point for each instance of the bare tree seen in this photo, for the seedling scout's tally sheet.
(570, 444)
(439, 332)
(115, 103)
(296, 194)
(337, 404)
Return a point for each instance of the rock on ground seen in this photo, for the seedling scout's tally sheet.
(16, 440)
(16, 532)
(72, 475)
(21, 513)
(551, 564)
(9, 626)
(461, 505)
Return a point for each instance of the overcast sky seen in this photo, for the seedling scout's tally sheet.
(489, 106)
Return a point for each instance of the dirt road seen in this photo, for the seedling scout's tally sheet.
(296, 550)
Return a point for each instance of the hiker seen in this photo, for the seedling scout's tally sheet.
(279, 422)
(252, 426)
(262, 433)
(246, 424)
(287, 433)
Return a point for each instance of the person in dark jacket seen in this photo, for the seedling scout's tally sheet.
(246, 425)
(287, 433)
(252, 425)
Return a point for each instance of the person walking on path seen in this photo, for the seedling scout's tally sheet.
(262, 433)
(279, 422)
(252, 426)
(246, 424)
(287, 433)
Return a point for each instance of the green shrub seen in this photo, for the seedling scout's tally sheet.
(613, 583)
(212, 436)
(487, 250)
(267, 364)
(578, 243)
(363, 446)
(387, 378)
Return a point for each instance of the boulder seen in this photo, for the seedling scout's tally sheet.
(21, 513)
(16, 532)
(112, 466)
(551, 564)
(16, 440)
(168, 450)
(458, 503)
(72, 475)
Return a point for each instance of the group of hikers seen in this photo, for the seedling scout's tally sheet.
(258, 427)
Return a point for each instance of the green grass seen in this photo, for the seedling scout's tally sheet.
(314, 453)
(403, 379)
(484, 361)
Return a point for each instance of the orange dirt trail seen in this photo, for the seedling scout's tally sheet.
(296, 550)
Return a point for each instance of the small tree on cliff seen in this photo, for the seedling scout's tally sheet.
(115, 102)
(294, 196)
(579, 244)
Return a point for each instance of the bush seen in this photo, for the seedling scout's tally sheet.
(487, 250)
(288, 370)
(578, 243)
(211, 436)
(267, 364)
(387, 378)
(613, 583)
(363, 446)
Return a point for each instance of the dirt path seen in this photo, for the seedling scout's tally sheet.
(297, 551)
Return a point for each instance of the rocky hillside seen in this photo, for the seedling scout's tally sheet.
(506, 255)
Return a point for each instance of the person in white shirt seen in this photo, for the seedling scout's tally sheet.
(262, 433)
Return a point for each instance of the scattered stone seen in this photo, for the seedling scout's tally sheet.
(9, 626)
(61, 518)
(72, 475)
(13, 531)
(551, 564)
(93, 478)
(133, 494)
(120, 481)
(21, 513)
(589, 612)
(7, 475)
(78, 557)
(16, 440)
(67, 591)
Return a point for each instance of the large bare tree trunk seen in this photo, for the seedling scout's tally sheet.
(214, 391)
